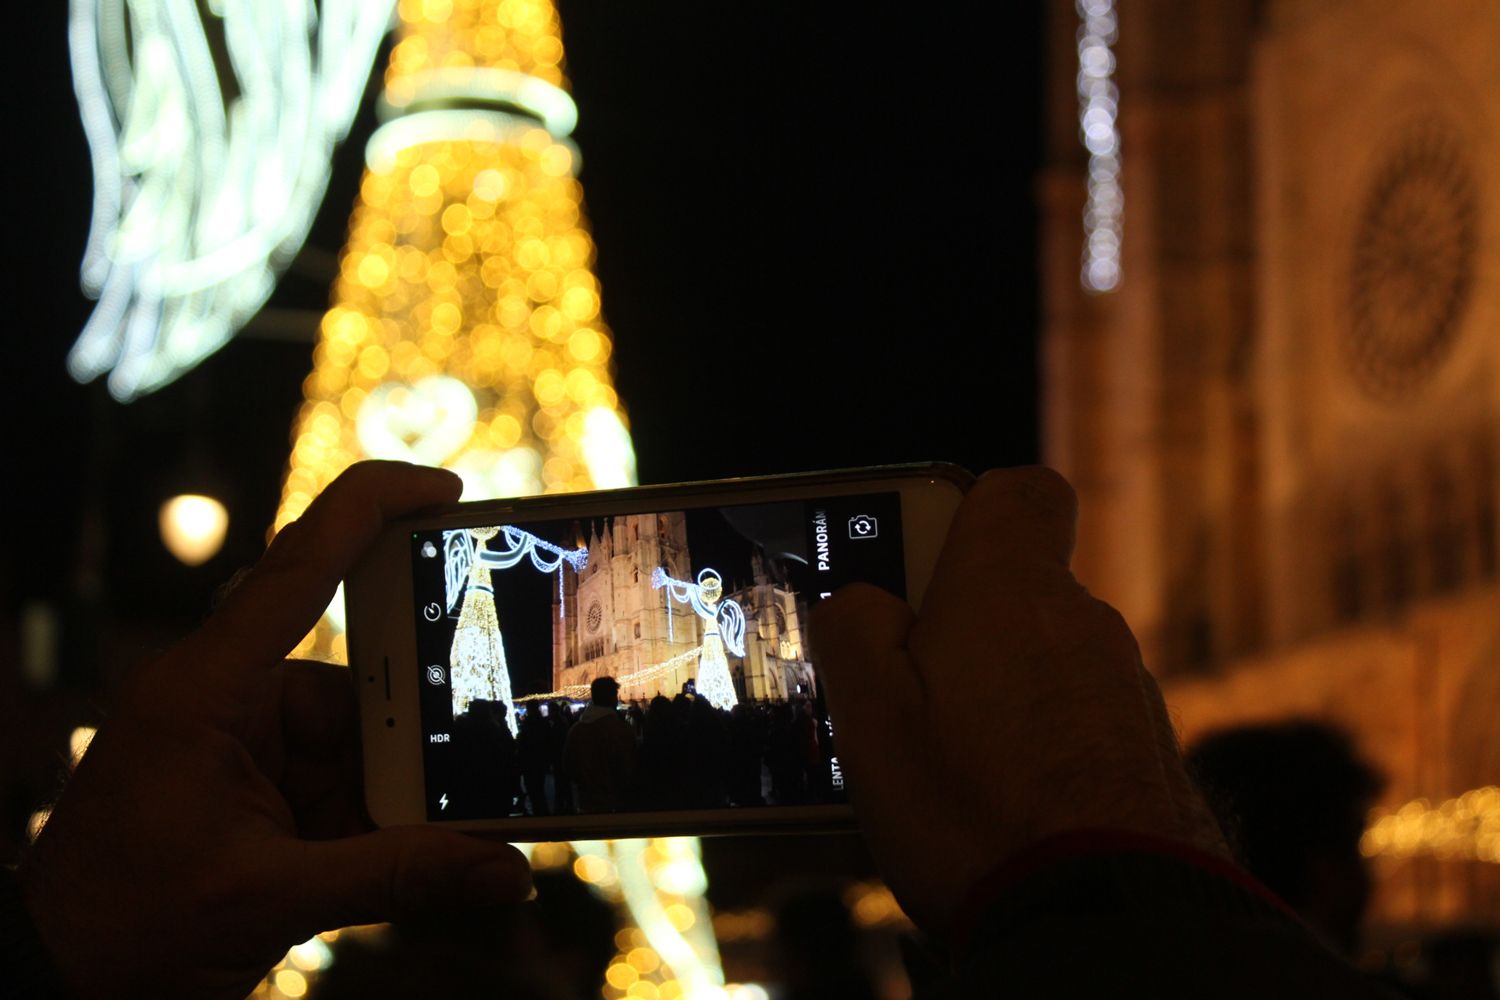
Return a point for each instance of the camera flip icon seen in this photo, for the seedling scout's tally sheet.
(863, 526)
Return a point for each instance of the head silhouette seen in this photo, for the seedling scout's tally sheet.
(1292, 799)
(604, 691)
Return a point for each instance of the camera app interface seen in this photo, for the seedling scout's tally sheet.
(637, 662)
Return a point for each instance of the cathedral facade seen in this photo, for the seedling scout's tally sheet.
(1284, 424)
(610, 620)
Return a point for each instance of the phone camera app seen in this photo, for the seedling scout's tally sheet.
(863, 526)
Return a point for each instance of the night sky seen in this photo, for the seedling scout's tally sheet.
(816, 244)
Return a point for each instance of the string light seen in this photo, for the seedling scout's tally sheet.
(1098, 109)
(1466, 827)
(637, 678)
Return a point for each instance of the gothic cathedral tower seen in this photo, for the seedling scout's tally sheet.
(1284, 423)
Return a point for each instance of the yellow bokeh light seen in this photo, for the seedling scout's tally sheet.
(291, 983)
(545, 856)
(594, 869)
(457, 219)
(193, 527)
(424, 180)
(373, 271)
(620, 975)
(1466, 827)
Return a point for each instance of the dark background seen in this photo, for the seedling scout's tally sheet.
(816, 244)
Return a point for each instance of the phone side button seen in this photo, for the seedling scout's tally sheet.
(387, 661)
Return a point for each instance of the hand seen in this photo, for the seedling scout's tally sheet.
(215, 820)
(1014, 707)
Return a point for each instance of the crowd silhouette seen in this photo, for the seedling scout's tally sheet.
(663, 754)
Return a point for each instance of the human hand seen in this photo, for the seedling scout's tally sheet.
(216, 819)
(1014, 707)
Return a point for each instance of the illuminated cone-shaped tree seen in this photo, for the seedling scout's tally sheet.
(466, 333)
(477, 667)
(465, 330)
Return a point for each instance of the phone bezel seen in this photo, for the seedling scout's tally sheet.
(381, 635)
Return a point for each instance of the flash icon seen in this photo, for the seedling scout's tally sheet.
(443, 801)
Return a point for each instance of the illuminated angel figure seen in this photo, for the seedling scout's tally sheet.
(706, 599)
(476, 664)
(204, 193)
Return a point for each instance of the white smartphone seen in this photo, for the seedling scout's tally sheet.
(625, 663)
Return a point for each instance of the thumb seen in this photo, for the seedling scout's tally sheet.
(859, 646)
(400, 872)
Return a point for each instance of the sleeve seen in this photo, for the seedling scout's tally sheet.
(1117, 915)
(28, 968)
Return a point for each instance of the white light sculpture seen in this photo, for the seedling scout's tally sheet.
(202, 197)
(723, 625)
(477, 665)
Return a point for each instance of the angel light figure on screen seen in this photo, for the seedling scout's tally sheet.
(723, 626)
(476, 664)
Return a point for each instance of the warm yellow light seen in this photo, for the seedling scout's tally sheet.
(193, 527)
(620, 975)
(468, 331)
(291, 983)
(36, 822)
(594, 869)
(1463, 828)
(544, 856)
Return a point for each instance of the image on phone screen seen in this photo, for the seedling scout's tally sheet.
(637, 663)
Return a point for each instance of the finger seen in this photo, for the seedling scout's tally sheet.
(319, 711)
(396, 873)
(854, 636)
(1011, 515)
(321, 776)
(284, 595)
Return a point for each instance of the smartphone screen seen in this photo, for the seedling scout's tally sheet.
(637, 663)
